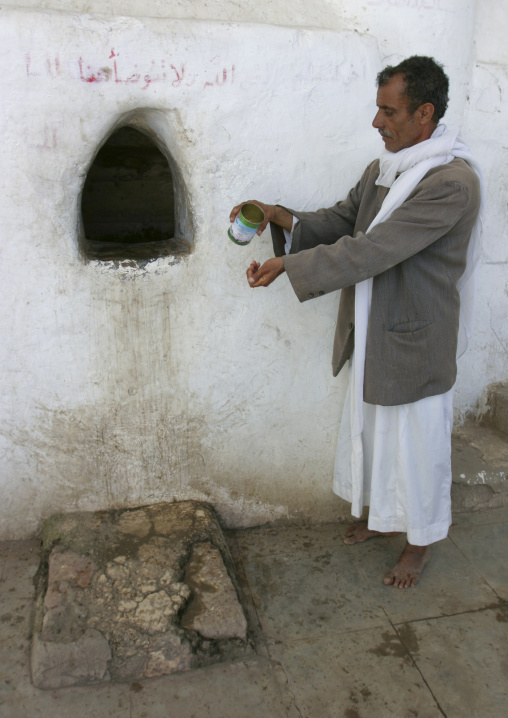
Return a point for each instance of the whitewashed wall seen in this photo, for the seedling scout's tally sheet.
(123, 386)
(486, 126)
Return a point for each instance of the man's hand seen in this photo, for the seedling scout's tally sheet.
(275, 214)
(262, 276)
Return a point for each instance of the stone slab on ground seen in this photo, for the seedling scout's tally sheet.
(479, 468)
(134, 594)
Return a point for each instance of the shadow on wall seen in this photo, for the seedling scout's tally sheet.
(134, 204)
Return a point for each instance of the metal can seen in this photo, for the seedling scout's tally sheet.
(246, 223)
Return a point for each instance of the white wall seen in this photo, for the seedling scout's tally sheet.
(125, 385)
(485, 124)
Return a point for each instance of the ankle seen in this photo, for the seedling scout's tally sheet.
(416, 549)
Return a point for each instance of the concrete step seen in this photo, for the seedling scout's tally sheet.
(494, 411)
(479, 467)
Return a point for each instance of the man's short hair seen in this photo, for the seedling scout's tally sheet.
(425, 80)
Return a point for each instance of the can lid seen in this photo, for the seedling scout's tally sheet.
(252, 214)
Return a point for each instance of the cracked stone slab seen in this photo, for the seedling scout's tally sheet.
(213, 611)
(134, 594)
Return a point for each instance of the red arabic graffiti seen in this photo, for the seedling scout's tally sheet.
(120, 72)
(419, 4)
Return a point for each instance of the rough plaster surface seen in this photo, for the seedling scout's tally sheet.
(124, 385)
(137, 594)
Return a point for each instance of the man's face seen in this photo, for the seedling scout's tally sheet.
(396, 126)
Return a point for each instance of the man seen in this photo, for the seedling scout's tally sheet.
(402, 247)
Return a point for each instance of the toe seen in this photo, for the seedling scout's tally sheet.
(351, 536)
(351, 539)
(350, 533)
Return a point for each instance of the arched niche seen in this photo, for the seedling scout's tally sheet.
(133, 203)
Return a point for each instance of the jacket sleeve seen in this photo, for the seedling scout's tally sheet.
(429, 213)
(324, 226)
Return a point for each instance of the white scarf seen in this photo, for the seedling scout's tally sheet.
(412, 164)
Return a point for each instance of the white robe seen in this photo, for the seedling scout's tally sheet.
(400, 465)
(406, 466)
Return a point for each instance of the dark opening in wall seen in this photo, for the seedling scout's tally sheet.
(128, 201)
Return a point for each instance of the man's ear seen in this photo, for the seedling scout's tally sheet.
(425, 113)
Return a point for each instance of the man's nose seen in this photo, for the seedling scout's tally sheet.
(377, 122)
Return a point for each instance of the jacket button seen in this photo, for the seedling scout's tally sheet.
(320, 292)
(311, 294)
(350, 325)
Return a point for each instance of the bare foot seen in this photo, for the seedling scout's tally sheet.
(358, 533)
(408, 570)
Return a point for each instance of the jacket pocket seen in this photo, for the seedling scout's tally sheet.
(410, 327)
(407, 353)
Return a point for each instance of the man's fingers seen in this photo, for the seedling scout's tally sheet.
(263, 226)
(235, 211)
(265, 275)
(251, 272)
(265, 207)
(255, 274)
(238, 207)
(258, 282)
(262, 281)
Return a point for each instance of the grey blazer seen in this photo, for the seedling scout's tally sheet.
(416, 258)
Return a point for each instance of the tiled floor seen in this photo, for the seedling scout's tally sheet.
(332, 641)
